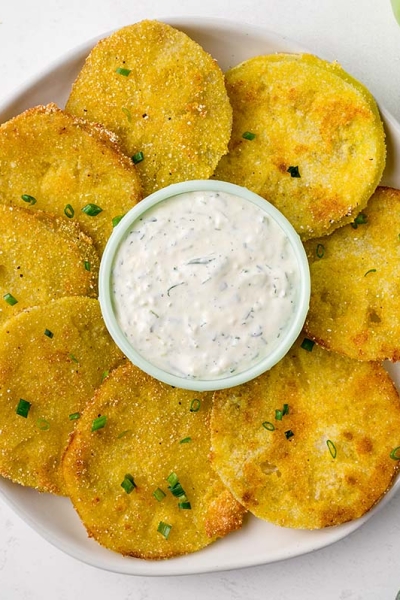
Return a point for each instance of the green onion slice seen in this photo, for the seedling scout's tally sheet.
(268, 425)
(395, 453)
(370, 271)
(92, 210)
(285, 410)
(320, 251)
(164, 529)
(69, 211)
(116, 220)
(128, 483)
(186, 440)
(289, 433)
(28, 198)
(127, 113)
(137, 158)
(307, 344)
(195, 405)
(159, 495)
(172, 479)
(9, 298)
(49, 333)
(74, 416)
(99, 422)
(23, 408)
(123, 433)
(177, 490)
(184, 505)
(360, 219)
(122, 71)
(73, 358)
(43, 424)
(278, 414)
(294, 171)
(87, 266)
(248, 135)
(331, 448)
(105, 374)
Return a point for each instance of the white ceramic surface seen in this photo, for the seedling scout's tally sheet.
(258, 542)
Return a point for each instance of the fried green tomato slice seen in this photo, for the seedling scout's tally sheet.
(308, 444)
(306, 136)
(52, 359)
(142, 483)
(54, 162)
(355, 283)
(165, 98)
(42, 257)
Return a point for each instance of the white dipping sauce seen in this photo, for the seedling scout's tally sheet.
(203, 284)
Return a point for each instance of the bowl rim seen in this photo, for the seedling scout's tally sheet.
(106, 301)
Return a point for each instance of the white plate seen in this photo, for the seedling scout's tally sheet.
(257, 542)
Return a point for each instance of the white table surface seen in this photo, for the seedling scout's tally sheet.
(365, 38)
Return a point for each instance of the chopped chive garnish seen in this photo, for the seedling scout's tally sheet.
(184, 505)
(122, 71)
(127, 113)
(285, 410)
(248, 135)
(177, 490)
(69, 211)
(9, 298)
(137, 158)
(294, 171)
(99, 422)
(49, 333)
(73, 358)
(370, 271)
(123, 433)
(278, 414)
(395, 453)
(185, 440)
(87, 265)
(307, 344)
(116, 220)
(289, 433)
(360, 219)
(105, 374)
(43, 424)
(164, 529)
(23, 408)
(128, 483)
(195, 405)
(331, 448)
(92, 210)
(28, 198)
(74, 416)
(172, 479)
(268, 425)
(159, 495)
(320, 251)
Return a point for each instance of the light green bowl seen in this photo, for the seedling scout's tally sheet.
(107, 302)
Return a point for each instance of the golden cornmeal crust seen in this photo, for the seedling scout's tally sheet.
(310, 115)
(169, 102)
(302, 480)
(146, 423)
(355, 283)
(57, 374)
(63, 161)
(42, 258)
